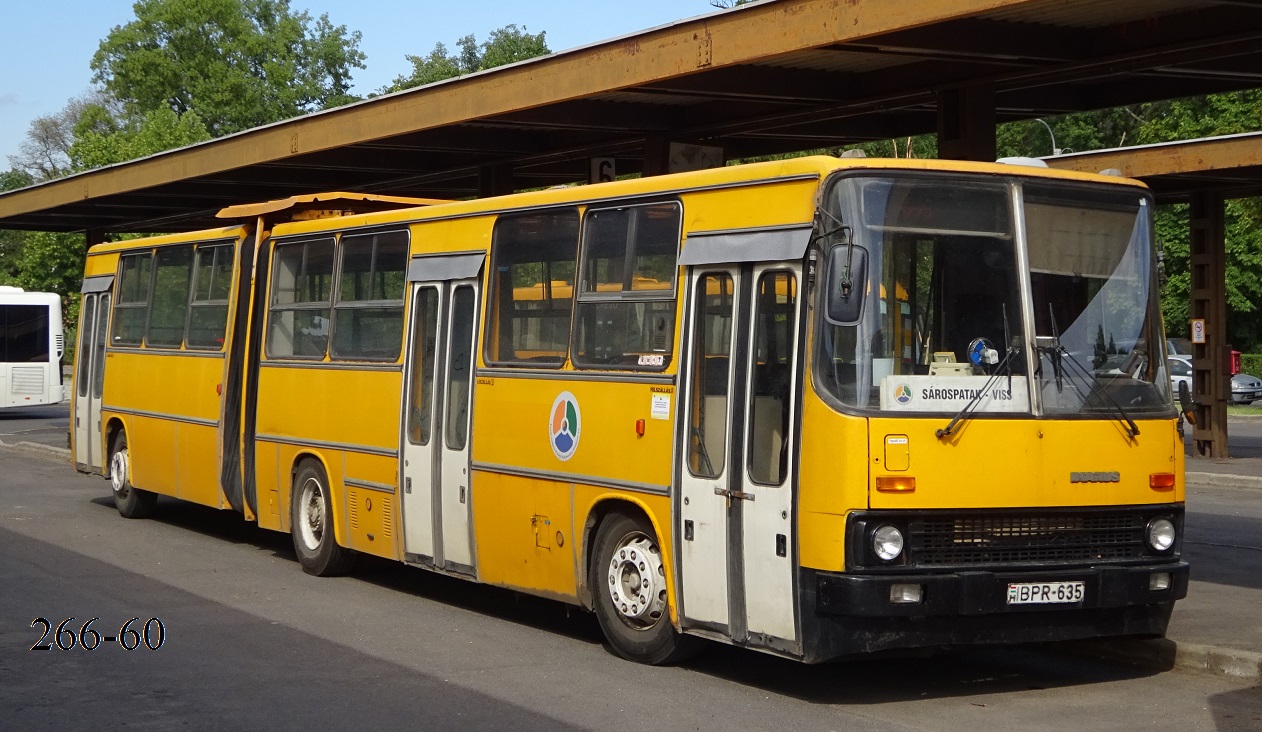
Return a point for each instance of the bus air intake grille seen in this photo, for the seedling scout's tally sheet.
(27, 380)
(1012, 540)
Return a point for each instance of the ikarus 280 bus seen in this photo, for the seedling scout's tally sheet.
(812, 407)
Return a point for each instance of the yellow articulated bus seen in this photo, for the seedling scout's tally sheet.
(813, 407)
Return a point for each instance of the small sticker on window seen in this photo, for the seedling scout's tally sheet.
(652, 360)
(661, 406)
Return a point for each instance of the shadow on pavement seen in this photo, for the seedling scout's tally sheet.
(1237, 711)
(219, 668)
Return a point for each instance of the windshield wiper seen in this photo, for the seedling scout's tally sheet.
(1059, 354)
(967, 411)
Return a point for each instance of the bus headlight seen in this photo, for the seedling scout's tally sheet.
(1160, 534)
(887, 542)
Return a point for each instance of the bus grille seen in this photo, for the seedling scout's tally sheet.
(1008, 540)
(27, 380)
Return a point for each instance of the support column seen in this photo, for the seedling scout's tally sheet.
(495, 180)
(656, 156)
(966, 124)
(1211, 373)
(93, 237)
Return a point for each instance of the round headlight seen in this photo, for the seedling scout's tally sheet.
(887, 542)
(1160, 534)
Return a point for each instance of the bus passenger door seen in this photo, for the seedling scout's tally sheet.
(736, 488)
(767, 478)
(704, 476)
(418, 422)
(89, 381)
(453, 498)
(437, 518)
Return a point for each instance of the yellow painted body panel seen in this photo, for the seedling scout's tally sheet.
(341, 406)
(511, 417)
(330, 405)
(105, 263)
(752, 206)
(234, 233)
(516, 521)
(833, 481)
(998, 463)
(168, 456)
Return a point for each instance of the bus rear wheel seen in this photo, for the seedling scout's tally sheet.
(628, 581)
(311, 524)
(130, 501)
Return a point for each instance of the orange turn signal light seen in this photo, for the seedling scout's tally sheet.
(1161, 481)
(895, 483)
(639, 428)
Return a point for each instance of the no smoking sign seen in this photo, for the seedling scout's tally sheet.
(1198, 330)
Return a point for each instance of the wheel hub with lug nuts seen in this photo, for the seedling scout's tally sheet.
(313, 513)
(637, 581)
(118, 473)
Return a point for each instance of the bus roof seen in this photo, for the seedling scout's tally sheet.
(818, 166)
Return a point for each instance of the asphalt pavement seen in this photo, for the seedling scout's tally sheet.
(250, 642)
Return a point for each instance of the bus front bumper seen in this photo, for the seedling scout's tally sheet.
(854, 613)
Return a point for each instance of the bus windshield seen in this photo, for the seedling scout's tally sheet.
(938, 324)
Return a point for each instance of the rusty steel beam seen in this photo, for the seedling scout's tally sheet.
(1232, 154)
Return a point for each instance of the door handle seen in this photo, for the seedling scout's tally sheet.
(730, 494)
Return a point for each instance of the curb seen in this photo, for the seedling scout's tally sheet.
(48, 450)
(1163, 654)
(1219, 480)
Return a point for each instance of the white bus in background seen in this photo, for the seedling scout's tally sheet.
(31, 346)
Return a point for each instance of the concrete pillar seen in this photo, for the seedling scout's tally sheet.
(1211, 372)
(495, 180)
(966, 124)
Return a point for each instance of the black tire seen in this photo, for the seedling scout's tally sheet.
(130, 501)
(311, 524)
(636, 630)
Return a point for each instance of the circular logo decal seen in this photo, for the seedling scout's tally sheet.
(563, 426)
(902, 394)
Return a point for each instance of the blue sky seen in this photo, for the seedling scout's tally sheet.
(46, 45)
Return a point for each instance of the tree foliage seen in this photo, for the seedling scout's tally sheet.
(101, 138)
(237, 64)
(504, 46)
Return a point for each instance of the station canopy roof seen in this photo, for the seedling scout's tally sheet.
(768, 77)
(1230, 165)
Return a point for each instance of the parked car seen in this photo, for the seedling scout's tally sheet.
(1180, 368)
(1179, 346)
(1245, 389)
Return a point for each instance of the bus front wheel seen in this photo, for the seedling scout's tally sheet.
(130, 501)
(311, 524)
(628, 580)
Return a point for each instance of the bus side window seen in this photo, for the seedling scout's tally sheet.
(626, 301)
(532, 289)
(85, 344)
(707, 443)
(212, 284)
(131, 308)
(368, 312)
(773, 362)
(424, 351)
(302, 288)
(173, 273)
